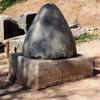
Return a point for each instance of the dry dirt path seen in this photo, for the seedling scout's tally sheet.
(91, 48)
(87, 12)
(86, 89)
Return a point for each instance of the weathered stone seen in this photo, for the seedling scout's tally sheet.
(77, 32)
(16, 44)
(74, 23)
(25, 19)
(8, 28)
(49, 36)
(76, 68)
(38, 73)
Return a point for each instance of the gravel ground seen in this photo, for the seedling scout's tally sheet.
(86, 89)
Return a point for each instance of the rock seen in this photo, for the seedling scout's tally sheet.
(16, 42)
(73, 24)
(49, 36)
(78, 31)
(39, 74)
(24, 20)
(9, 28)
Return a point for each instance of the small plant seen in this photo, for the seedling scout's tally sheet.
(7, 3)
(86, 37)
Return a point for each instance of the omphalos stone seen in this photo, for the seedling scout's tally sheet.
(49, 36)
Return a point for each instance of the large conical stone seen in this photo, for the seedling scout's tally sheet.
(49, 36)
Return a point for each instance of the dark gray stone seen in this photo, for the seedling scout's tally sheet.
(9, 28)
(24, 20)
(49, 36)
(39, 74)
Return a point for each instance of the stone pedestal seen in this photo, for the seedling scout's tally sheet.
(40, 73)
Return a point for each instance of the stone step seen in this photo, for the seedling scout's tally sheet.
(41, 73)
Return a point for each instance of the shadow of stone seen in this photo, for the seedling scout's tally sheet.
(12, 93)
(11, 90)
(2, 46)
(6, 85)
(58, 97)
(96, 72)
(11, 29)
(3, 74)
(78, 55)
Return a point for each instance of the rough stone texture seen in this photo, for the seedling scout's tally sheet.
(78, 31)
(8, 28)
(24, 20)
(16, 42)
(2, 46)
(39, 74)
(73, 24)
(49, 36)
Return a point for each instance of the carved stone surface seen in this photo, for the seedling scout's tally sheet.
(39, 73)
(49, 36)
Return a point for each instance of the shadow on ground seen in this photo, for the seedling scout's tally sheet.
(96, 72)
(10, 90)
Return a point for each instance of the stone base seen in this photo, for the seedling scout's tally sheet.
(16, 42)
(41, 73)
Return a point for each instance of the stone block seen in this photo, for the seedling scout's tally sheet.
(16, 42)
(40, 73)
(25, 19)
(76, 68)
(9, 28)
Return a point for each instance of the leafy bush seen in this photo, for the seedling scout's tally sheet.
(7, 3)
(86, 37)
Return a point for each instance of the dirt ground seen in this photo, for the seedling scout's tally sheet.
(86, 12)
(86, 89)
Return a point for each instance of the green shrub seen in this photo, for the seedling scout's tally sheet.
(86, 37)
(7, 3)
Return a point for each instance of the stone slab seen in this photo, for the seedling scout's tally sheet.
(16, 42)
(9, 28)
(25, 19)
(40, 73)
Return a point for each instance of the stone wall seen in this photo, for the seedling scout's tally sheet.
(10, 28)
